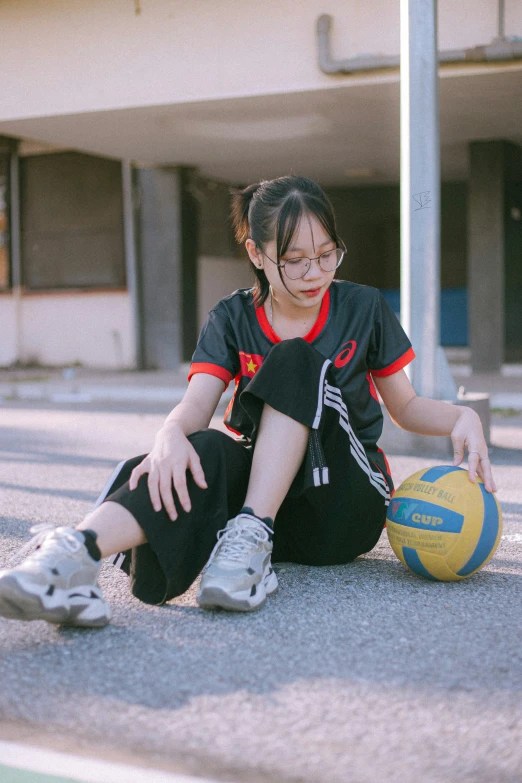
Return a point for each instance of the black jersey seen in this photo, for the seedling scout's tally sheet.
(356, 329)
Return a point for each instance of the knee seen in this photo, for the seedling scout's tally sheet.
(206, 440)
(210, 446)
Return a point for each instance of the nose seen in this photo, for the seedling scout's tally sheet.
(315, 272)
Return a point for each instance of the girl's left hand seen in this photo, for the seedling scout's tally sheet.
(468, 433)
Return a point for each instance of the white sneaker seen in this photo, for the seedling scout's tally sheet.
(57, 582)
(239, 574)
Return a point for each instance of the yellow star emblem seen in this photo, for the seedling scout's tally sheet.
(251, 367)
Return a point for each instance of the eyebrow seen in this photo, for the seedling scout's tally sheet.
(300, 250)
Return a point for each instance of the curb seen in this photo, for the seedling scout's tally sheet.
(89, 393)
(51, 765)
(507, 400)
(83, 393)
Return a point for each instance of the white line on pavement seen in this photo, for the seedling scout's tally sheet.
(86, 770)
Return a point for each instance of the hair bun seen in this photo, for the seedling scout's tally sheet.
(241, 200)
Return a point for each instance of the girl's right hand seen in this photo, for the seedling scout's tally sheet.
(167, 465)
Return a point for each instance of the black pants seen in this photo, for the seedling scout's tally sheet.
(335, 509)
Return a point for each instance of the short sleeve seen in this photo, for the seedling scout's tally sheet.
(216, 352)
(389, 349)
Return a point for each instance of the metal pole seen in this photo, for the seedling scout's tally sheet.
(131, 261)
(420, 190)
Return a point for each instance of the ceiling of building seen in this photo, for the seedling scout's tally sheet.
(345, 135)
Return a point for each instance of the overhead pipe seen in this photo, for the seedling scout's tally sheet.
(499, 50)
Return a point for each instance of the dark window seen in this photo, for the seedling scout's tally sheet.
(216, 237)
(71, 222)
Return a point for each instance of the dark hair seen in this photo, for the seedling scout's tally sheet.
(272, 209)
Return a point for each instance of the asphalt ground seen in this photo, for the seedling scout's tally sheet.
(358, 673)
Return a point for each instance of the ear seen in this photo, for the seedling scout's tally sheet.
(254, 253)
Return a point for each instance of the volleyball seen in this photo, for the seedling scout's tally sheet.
(442, 526)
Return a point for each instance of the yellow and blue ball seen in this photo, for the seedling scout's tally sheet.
(443, 526)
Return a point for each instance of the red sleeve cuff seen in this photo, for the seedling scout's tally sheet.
(397, 365)
(211, 369)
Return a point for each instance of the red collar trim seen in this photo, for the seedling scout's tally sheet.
(314, 332)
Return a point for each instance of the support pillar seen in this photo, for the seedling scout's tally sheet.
(486, 254)
(167, 248)
(513, 255)
(131, 266)
(190, 222)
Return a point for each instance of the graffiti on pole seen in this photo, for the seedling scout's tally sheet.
(422, 199)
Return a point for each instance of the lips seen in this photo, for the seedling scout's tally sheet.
(312, 291)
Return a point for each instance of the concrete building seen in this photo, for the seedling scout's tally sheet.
(123, 125)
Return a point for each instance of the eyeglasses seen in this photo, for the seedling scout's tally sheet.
(295, 268)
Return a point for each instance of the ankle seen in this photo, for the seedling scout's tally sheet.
(268, 521)
(92, 547)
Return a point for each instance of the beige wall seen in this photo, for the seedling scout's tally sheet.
(94, 329)
(67, 57)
